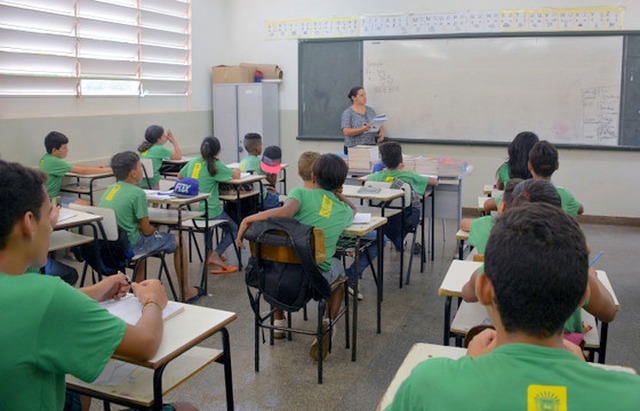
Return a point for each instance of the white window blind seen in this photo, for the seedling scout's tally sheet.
(95, 47)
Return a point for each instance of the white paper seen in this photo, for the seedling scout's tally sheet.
(65, 214)
(362, 218)
(129, 309)
(377, 122)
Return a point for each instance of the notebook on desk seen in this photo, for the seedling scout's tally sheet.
(130, 310)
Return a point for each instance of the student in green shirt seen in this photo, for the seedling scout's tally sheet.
(153, 148)
(535, 277)
(516, 164)
(55, 167)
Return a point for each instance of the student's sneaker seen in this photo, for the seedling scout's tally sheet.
(352, 292)
(326, 340)
(279, 334)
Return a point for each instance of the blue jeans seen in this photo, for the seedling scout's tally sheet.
(272, 200)
(158, 241)
(229, 233)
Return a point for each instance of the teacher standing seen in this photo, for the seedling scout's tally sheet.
(356, 120)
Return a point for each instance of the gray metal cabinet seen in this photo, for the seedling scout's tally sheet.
(244, 108)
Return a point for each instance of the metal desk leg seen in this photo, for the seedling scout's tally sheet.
(380, 282)
(226, 361)
(157, 388)
(447, 321)
(433, 222)
(604, 332)
(355, 301)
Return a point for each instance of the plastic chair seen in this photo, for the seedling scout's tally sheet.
(147, 169)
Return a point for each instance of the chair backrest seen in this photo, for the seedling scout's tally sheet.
(147, 168)
(165, 184)
(406, 187)
(287, 253)
(479, 258)
(109, 222)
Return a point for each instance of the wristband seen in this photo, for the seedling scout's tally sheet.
(149, 301)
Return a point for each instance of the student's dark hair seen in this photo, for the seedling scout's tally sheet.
(123, 163)
(330, 171)
(507, 197)
(536, 259)
(391, 154)
(544, 158)
(536, 191)
(305, 164)
(54, 140)
(152, 134)
(251, 142)
(209, 150)
(519, 154)
(21, 190)
(354, 92)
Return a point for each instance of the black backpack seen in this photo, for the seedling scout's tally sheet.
(106, 257)
(285, 286)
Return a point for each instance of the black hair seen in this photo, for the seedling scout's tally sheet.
(21, 190)
(251, 142)
(544, 158)
(123, 163)
(330, 171)
(391, 154)
(536, 191)
(354, 92)
(54, 140)
(152, 134)
(537, 261)
(209, 150)
(507, 197)
(519, 154)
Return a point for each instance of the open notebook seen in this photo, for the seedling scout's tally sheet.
(130, 309)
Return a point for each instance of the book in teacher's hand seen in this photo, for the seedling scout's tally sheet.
(377, 122)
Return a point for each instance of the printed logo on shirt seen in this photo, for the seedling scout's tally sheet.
(112, 192)
(327, 205)
(546, 398)
(144, 153)
(389, 179)
(196, 170)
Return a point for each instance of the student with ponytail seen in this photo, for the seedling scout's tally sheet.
(153, 148)
(209, 171)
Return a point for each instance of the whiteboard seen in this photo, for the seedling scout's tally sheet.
(565, 89)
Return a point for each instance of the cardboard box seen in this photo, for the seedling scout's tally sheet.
(269, 71)
(232, 74)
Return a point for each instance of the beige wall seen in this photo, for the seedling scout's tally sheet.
(230, 32)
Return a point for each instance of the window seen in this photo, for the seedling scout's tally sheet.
(95, 47)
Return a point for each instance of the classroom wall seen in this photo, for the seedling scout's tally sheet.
(230, 32)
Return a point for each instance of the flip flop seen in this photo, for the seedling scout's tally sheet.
(196, 297)
(225, 270)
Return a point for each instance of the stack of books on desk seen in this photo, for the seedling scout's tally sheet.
(426, 165)
(451, 167)
(362, 158)
(409, 162)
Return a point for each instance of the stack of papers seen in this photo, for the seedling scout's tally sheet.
(409, 162)
(377, 121)
(425, 165)
(451, 167)
(362, 158)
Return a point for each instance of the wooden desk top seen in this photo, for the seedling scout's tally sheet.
(422, 351)
(183, 160)
(246, 178)
(171, 216)
(385, 194)
(69, 218)
(62, 239)
(604, 279)
(481, 200)
(462, 235)
(457, 276)
(360, 230)
(103, 174)
(153, 198)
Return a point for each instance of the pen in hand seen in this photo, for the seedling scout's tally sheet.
(596, 258)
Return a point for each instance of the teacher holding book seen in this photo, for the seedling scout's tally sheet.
(357, 122)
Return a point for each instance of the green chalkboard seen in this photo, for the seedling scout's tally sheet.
(327, 71)
(328, 68)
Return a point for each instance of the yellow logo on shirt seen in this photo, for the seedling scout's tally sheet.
(113, 192)
(144, 153)
(389, 179)
(546, 398)
(327, 205)
(196, 170)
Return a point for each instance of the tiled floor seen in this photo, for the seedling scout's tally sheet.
(287, 377)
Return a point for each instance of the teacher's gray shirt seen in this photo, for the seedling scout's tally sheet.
(353, 119)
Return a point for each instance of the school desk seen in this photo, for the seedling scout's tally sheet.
(177, 359)
(61, 238)
(422, 351)
(358, 231)
(461, 236)
(238, 194)
(174, 215)
(82, 188)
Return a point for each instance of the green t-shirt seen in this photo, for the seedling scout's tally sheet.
(197, 168)
(568, 202)
(55, 168)
(503, 173)
(480, 231)
(516, 377)
(130, 205)
(321, 208)
(49, 329)
(418, 183)
(251, 163)
(156, 153)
